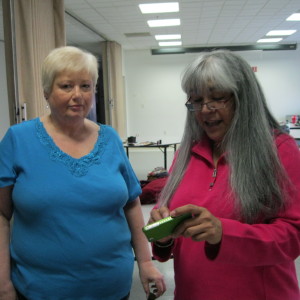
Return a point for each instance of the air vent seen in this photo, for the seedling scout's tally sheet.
(137, 34)
(263, 47)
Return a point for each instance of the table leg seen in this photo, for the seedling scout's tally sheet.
(165, 158)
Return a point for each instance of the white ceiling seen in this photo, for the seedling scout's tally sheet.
(204, 23)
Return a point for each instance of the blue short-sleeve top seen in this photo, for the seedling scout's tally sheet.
(70, 238)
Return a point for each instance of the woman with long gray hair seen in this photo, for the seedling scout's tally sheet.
(237, 174)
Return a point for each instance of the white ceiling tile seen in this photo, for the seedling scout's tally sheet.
(203, 22)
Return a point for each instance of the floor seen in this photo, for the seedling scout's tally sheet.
(137, 292)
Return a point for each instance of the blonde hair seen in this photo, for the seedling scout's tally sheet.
(67, 58)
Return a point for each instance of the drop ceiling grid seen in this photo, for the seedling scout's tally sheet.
(203, 22)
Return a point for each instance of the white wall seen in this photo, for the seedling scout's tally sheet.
(4, 112)
(155, 101)
(278, 73)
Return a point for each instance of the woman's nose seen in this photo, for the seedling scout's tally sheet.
(77, 91)
(205, 108)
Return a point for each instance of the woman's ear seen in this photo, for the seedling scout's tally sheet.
(46, 95)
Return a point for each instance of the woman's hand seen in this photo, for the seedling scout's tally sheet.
(202, 227)
(152, 279)
(158, 214)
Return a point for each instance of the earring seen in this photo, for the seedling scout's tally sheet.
(46, 98)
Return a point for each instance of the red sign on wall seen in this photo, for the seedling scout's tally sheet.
(254, 69)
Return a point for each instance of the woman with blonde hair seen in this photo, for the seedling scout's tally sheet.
(73, 195)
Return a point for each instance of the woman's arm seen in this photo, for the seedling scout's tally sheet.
(148, 272)
(7, 291)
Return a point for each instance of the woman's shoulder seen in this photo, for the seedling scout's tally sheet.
(108, 129)
(25, 125)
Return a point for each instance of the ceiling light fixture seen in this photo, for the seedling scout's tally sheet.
(151, 8)
(280, 32)
(164, 44)
(294, 17)
(162, 23)
(168, 37)
(274, 40)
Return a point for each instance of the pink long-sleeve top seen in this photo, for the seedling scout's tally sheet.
(253, 262)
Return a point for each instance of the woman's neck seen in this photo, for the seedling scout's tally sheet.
(71, 128)
(216, 152)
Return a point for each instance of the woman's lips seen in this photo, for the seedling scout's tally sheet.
(76, 107)
(212, 123)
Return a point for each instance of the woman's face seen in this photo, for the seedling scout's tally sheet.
(215, 122)
(71, 96)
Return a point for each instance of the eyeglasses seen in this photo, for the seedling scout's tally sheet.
(211, 105)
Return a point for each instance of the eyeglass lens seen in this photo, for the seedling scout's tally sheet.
(212, 105)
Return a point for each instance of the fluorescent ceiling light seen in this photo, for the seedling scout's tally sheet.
(274, 40)
(280, 32)
(168, 37)
(163, 44)
(151, 8)
(294, 17)
(165, 22)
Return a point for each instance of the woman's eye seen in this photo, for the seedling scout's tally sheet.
(217, 98)
(198, 100)
(86, 87)
(66, 86)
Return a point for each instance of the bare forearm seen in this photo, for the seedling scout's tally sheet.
(7, 290)
(149, 274)
(136, 222)
(4, 249)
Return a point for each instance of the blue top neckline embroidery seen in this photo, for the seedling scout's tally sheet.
(77, 166)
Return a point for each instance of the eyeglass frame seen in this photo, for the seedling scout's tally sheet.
(190, 106)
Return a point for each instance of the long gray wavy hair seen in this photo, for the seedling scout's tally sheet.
(255, 168)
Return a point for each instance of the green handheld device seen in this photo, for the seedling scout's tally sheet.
(163, 227)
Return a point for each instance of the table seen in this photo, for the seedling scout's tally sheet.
(295, 131)
(162, 147)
